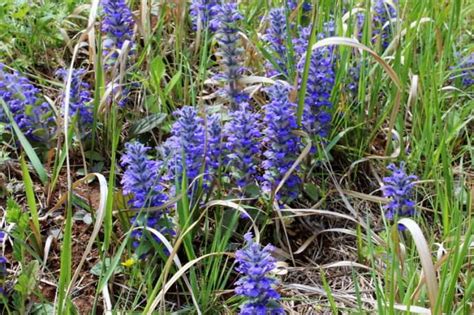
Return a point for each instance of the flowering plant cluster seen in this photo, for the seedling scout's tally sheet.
(80, 99)
(466, 67)
(255, 285)
(242, 144)
(275, 36)
(118, 27)
(32, 115)
(230, 51)
(202, 12)
(282, 145)
(398, 187)
(141, 180)
(383, 14)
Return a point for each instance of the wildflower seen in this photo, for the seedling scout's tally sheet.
(118, 27)
(255, 263)
(202, 12)
(383, 13)
(225, 21)
(141, 181)
(467, 71)
(320, 82)
(398, 187)
(276, 38)
(80, 97)
(242, 134)
(185, 148)
(280, 142)
(293, 4)
(3, 275)
(32, 115)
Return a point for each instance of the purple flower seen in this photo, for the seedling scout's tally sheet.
(186, 147)
(255, 285)
(276, 36)
(320, 82)
(293, 4)
(3, 274)
(230, 52)
(281, 144)
(80, 98)
(32, 115)
(383, 12)
(243, 135)
(398, 187)
(141, 181)
(466, 66)
(202, 12)
(118, 27)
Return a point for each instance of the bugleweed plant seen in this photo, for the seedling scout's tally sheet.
(236, 157)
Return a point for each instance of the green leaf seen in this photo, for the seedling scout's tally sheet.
(30, 198)
(103, 266)
(157, 71)
(146, 124)
(173, 82)
(27, 280)
(30, 152)
(42, 309)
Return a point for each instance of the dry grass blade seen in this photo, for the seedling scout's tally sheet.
(425, 257)
(178, 275)
(300, 158)
(395, 154)
(91, 35)
(413, 94)
(345, 263)
(176, 261)
(100, 213)
(351, 299)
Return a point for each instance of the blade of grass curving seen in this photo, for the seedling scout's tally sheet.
(179, 273)
(425, 257)
(338, 41)
(99, 218)
(177, 262)
(25, 144)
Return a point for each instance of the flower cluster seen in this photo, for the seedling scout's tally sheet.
(467, 71)
(282, 145)
(32, 115)
(3, 274)
(185, 148)
(202, 12)
(254, 264)
(320, 82)
(3, 268)
(141, 181)
(398, 187)
(225, 22)
(80, 97)
(293, 4)
(383, 13)
(118, 27)
(242, 135)
(275, 36)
